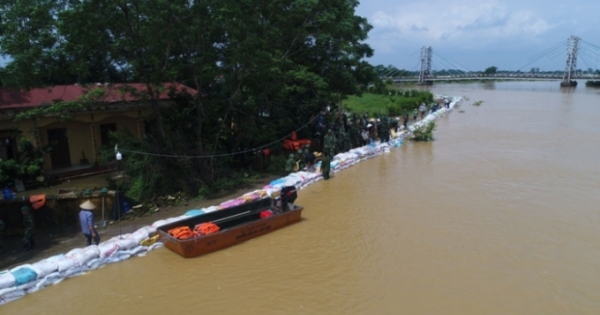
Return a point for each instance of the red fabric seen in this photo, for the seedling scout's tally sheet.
(265, 214)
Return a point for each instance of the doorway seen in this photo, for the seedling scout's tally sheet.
(60, 153)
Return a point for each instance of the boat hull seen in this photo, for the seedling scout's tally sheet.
(194, 247)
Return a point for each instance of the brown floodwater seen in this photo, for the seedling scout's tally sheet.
(499, 215)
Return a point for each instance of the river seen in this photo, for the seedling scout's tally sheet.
(499, 215)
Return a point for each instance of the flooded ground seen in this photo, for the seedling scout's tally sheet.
(498, 216)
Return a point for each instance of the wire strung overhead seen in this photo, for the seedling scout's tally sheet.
(220, 155)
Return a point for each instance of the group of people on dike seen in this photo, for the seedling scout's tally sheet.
(341, 132)
(86, 220)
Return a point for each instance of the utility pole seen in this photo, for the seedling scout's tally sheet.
(571, 67)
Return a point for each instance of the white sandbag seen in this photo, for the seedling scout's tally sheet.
(147, 229)
(74, 272)
(7, 280)
(117, 257)
(138, 249)
(94, 263)
(210, 209)
(155, 246)
(83, 255)
(10, 294)
(44, 268)
(107, 249)
(53, 278)
(127, 243)
(27, 285)
(66, 263)
(139, 236)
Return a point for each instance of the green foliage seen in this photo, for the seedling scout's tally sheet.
(424, 133)
(65, 109)
(29, 166)
(263, 69)
(490, 70)
(478, 103)
(389, 102)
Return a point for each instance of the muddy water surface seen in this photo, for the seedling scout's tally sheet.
(498, 216)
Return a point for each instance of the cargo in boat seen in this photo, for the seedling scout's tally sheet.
(235, 225)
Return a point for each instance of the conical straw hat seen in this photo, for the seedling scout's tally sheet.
(88, 205)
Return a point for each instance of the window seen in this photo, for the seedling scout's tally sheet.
(105, 129)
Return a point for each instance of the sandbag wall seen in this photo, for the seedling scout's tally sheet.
(19, 281)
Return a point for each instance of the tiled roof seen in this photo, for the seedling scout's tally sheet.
(10, 99)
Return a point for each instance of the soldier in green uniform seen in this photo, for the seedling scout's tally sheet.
(290, 163)
(325, 166)
(300, 159)
(329, 143)
(29, 224)
(385, 129)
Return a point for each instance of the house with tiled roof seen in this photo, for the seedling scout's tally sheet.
(75, 142)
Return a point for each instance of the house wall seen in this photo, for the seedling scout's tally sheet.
(83, 131)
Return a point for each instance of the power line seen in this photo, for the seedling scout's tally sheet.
(217, 155)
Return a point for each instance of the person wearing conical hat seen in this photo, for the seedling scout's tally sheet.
(86, 219)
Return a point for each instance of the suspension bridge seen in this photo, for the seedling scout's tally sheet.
(577, 50)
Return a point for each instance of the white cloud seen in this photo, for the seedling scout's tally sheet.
(466, 21)
(513, 30)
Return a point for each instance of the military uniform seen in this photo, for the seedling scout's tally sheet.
(29, 224)
(329, 143)
(385, 129)
(289, 164)
(325, 166)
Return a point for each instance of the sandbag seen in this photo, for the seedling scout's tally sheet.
(134, 251)
(7, 279)
(74, 272)
(147, 229)
(107, 249)
(139, 236)
(23, 274)
(210, 209)
(53, 278)
(94, 263)
(127, 243)
(194, 213)
(155, 246)
(44, 267)
(10, 294)
(83, 255)
(66, 263)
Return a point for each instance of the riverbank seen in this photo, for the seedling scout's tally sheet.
(51, 243)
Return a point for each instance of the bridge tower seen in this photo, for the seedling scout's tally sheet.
(571, 68)
(425, 72)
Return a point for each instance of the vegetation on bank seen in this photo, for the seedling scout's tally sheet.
(262, 69)
(424, 133)
(389, 102)
(592, 83)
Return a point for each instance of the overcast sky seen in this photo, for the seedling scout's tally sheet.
(475, 34)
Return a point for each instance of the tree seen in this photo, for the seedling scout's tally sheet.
(490, 70)
(262, 68)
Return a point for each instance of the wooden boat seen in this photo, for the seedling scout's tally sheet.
(237, 224)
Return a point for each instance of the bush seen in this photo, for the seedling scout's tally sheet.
(424, 133)
(29, 166)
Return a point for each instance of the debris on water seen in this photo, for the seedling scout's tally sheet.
(478, 103)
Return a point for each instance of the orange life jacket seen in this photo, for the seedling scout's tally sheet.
(206, 228)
